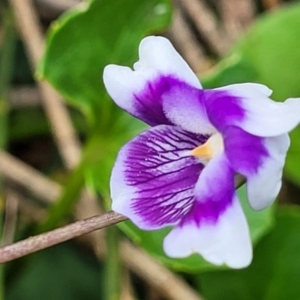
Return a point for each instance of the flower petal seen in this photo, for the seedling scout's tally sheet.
(139, 91)
(264, 187)
(183, 106)
(225, 242)
(216, 226)
(154, 177)
(253, 110)
(260, 160)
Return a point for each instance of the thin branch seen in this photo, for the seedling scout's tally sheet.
(187, 43)
(26, 176)
(32, 35)
(237, 16)
(167, 283)
(48, 239)
(272, 4)
(24, 96)
(206, 23)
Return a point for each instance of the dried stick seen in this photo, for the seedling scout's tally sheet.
(187, 43)
(19, 172)
(167, 283)
(24, 96)
(237, 16)
(31, 33)
(135, 259)
(271, 4)
(206, 23)
(53, 237)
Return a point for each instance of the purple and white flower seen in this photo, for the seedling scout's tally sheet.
(181, 171)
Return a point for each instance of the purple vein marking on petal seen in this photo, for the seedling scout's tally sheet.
(245, 151)
(223, 108)
(148, 102)
(162, 173)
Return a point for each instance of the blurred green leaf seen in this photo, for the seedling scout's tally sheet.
(60, 272)
(259, 222)
(82, 42)
(275, 271)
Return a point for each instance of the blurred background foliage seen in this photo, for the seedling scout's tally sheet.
(224, 42)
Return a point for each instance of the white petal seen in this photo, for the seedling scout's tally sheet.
(138, 91)
(225, 242)
(159, 54)
(263, 187)
(265, 117)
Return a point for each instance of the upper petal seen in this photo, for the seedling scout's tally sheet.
(139, 91)
(183, 106)
(154, 176)
(249, 107)
(260, 160)
(216, 226)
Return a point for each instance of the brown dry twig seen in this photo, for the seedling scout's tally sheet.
(271, 4)
(237, 16)
(54, 237)
(206, 23)
(187, 43)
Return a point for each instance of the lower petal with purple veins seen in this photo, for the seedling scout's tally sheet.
(215, 227)
(154, 177)
(226, 241)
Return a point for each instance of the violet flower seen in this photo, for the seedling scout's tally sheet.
(181, 171)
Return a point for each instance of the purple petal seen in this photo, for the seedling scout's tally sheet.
(148, 101)
(223, 109)
(249, 107)
(154, 177)
(183, 106)
(245, 151)
(139, 91)
(260, 160)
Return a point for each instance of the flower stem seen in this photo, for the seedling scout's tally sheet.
(113, 270)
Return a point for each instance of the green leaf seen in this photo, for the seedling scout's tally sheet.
(82, 42)
(259, 222)
(275, 271)
(60, 272)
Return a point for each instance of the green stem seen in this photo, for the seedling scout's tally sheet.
(6, 71)
(113, 269)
